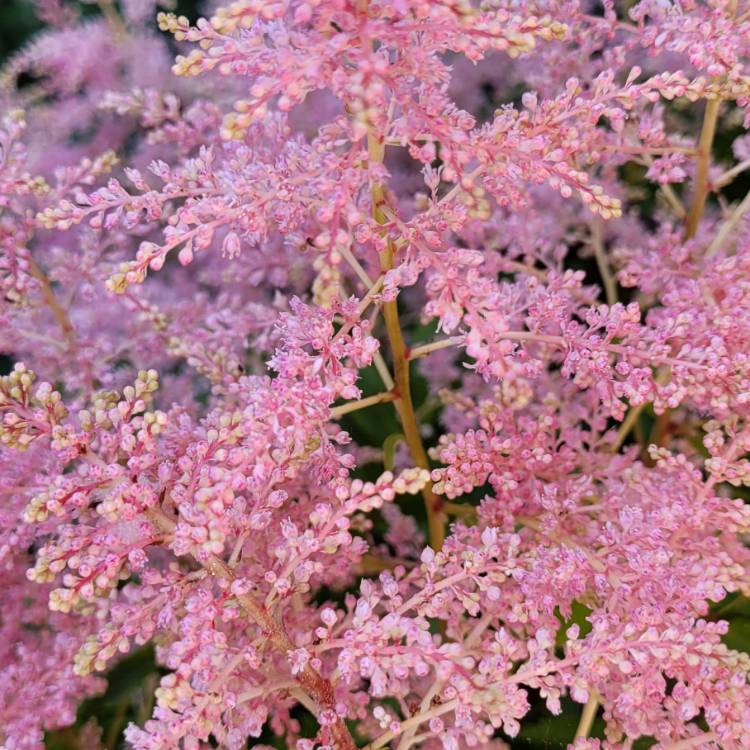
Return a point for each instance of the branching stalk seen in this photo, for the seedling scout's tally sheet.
(602, 262)
(627, 425)
(434, 346)
(435, 515)
(58, 311)
(362, 403)
(728, 227)
(588, 715)
(708, 131)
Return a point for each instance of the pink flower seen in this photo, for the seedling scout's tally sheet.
(337, 255)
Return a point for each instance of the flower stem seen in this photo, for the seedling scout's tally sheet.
(602, 262)
(627, 425)
(58, 311)
(728, 227)
(588, 715)
(434, 346)
(362, 403)
(705, 143)
(404, 401)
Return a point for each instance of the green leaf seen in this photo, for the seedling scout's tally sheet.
(579, 615)
(738, 637)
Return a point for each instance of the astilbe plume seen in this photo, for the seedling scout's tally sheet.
(205, 269)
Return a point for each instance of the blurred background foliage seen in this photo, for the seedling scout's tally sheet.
(17, 24)
(129, 696)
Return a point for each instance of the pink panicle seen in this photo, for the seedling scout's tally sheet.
(256, 299)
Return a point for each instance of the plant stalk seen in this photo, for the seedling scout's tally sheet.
(404, 402)
(708, 131)
(588, 715)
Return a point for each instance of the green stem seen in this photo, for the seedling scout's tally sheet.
(404, 401)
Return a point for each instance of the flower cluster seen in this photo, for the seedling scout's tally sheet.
(378, 375)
